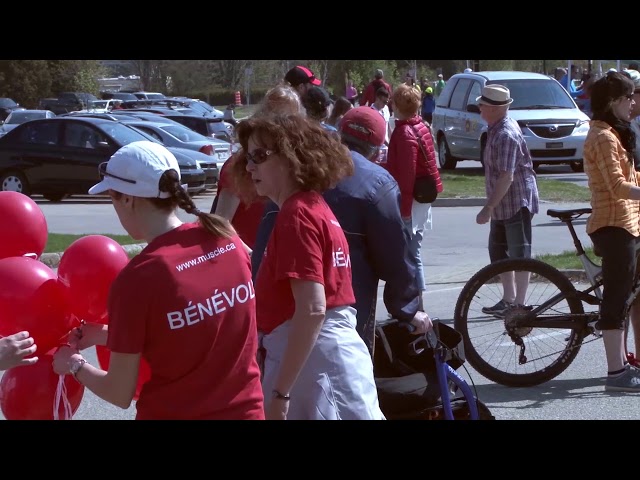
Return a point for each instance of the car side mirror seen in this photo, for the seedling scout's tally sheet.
(473, 108)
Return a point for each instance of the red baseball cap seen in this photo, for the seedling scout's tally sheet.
(366, 124)
(299, 75)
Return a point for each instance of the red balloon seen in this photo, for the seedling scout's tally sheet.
(24, 227)
(32, 299)
(29, 392)
(144, 373)
(87, 268)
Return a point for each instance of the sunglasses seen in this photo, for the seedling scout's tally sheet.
(259, 155)
(102, 168)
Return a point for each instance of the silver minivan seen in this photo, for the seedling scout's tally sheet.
(553, 125)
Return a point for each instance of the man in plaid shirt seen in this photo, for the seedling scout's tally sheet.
(512, 194)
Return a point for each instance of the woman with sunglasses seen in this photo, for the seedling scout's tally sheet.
(185, 303)
(613, 225)
(316, 366)
(245, 213)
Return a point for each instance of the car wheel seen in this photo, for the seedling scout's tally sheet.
(577, 167)
(14, 181)
(445, 160)
(55, 197)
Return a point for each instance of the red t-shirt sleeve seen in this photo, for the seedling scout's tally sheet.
(299, 250)
(128, 311)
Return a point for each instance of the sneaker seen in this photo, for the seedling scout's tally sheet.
(633, 361)
(498, 309)
(629, 381)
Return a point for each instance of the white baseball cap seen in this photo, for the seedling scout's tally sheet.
(135, 169)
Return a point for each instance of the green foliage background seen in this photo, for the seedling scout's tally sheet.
(27, 81)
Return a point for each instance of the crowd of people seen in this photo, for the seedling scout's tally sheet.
(275, 319)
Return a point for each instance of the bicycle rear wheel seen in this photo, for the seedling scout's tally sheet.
(491, 341)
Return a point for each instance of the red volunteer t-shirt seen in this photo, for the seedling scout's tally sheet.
(247, 217)
(187, 303)
(306, 243)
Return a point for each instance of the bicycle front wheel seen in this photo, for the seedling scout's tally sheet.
(511, 355)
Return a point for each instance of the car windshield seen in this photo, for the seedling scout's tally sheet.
(124, 134)
(537, 94)
(98, 104)
(197, 107)
(185, 134)
(21, 116)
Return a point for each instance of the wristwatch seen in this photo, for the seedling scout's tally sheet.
(76, 366)
(281, 396)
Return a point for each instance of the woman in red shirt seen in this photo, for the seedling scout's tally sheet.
(185, 303)
(245, 213)
(316, 365)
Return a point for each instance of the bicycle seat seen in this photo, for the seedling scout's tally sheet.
(570, 214)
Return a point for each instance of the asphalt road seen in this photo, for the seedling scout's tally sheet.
(452, 252)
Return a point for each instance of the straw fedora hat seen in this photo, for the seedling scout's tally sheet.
(495, 95)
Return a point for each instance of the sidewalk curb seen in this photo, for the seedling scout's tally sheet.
(460, 202)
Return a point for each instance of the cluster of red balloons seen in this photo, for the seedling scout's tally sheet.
(48, 305)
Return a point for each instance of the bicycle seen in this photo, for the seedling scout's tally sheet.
(416, 376)
(534, 343)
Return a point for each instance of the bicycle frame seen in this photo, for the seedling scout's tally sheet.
(591, 295)
(594, 272)
(447, 374)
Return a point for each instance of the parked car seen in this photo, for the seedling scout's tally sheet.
(200, 106)
(553, 126)
(209, 165)
(8, 105)
(99, 106)
(175, 135)
(124, 96)
(57, 157)
(149, 95)
(17, 117)
(67, 102)
(207, 126)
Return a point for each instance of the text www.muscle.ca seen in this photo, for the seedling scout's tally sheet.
(205, 257)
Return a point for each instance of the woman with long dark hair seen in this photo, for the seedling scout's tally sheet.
(614, 224)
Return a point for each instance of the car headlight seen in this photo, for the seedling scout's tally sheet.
(582, 127)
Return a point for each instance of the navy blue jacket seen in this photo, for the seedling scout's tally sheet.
(367, 205)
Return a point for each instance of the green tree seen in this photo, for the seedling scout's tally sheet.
(25, 81)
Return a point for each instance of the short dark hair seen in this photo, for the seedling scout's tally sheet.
(363, 148)
(382, 92)
(633, 66)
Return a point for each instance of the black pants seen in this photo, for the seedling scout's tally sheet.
(618, 250)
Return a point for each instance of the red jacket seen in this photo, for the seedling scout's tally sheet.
(369, 94)
(405, 161)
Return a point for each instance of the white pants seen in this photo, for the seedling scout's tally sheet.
(336, 382)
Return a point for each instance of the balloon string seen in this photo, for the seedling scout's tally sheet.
(61, 396)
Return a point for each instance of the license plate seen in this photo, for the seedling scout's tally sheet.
(223, 155)
(554, 145)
